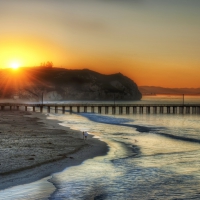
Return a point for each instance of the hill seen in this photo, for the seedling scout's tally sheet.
(65, 84)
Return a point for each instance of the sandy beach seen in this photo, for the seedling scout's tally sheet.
(33, 147)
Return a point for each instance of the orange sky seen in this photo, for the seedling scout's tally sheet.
(155, 44)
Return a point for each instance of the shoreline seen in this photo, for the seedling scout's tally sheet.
(78, 152)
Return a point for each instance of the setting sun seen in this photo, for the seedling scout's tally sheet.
(15, 65)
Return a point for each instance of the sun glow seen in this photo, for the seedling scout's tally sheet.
(15, 65)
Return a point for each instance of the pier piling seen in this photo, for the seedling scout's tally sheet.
(63, 109)
(141, 109)
(181, 109)
(48, 109)
(127, 110)
(113, 110)
(187, 110)
(120, 110)
(99, 109)
(134, 109)
(92, 109)
(41, 109)
(155, 110)
(161, 110)
(56, 109)
(106, 110)
(148, 109)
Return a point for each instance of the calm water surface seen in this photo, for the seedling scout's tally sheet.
(150, 157)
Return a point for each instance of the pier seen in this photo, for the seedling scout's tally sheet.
(105, 108)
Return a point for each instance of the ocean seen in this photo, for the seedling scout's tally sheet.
(151, 156)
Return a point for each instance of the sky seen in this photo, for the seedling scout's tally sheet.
(153, 42)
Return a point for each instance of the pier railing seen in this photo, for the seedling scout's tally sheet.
(106, 108)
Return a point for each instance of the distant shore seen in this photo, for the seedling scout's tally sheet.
(33, 147)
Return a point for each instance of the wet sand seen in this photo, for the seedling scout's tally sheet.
(33, 147)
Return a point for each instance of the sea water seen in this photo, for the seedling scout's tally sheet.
(153, 156)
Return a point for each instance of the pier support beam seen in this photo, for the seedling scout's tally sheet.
(187, 110)
(41, 109)
(92, 109)
(168, 109)
(181, 109)
(70, 109)
(63, 109)
(194, 110)
(25, 108)
(99, 109)
(148, 109)
(174, 110)
(120, 110)
(113, 110)
(106, 110)
(198, 110)
(134, 109)
(78, 109)
(48, 109)
(10, 107)
(154, 109)
(161, 109)
(141, 109)
(56, 109)
(127, 110)
(17, 107)
(85, 109)
(33, 108)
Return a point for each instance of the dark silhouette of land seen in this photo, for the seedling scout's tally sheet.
(65, 84)
(153, 90)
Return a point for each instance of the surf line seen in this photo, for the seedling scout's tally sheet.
(142, 129)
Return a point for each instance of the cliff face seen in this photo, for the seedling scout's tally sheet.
(64, 84)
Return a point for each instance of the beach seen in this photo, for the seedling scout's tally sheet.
(33, 147)
(151, 156)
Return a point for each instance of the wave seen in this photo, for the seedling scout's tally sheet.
(141, 129)
(119, 122)
(178, 137)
